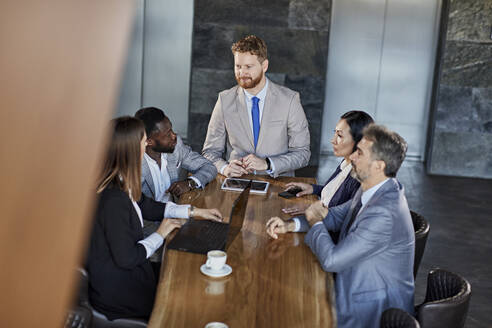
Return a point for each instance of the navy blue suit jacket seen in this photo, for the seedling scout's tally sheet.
(346, 191)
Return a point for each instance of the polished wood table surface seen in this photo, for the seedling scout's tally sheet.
(274, 283)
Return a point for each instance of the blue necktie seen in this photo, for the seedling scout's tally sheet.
(255, 114)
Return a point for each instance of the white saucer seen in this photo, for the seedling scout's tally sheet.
(225, 271)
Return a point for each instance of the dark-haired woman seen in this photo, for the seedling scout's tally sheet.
(122, 283)
(340, 187)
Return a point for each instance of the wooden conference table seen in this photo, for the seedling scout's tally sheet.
(274, 283)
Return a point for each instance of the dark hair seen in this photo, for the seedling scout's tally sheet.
(122, 165)
(357, 120)
(150, 116)
(252, 44)
(388, 146)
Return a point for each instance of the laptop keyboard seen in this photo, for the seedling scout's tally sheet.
(213, 231)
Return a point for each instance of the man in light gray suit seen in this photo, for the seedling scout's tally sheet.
(165, 155)
(260, 125)
(375, 252)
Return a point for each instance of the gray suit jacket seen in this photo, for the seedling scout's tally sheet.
(182, 158)
(373, 260)
(284, 132)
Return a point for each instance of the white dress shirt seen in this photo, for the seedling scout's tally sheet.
(261, 103)
(367, 195)
(331, 187)
(155, 240)
(161, 178)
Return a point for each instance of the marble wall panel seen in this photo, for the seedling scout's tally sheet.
(463, 109)
(205, 86)
(278, 78)
(242, 12)
(469, 20)
(467, 64)
(197, 129)
(455, 111)
(311, 88)
(482, 104)
(462, 154)
(212, 46)
(309, 15)
(461, 144)
(315, 135)
(291, 51)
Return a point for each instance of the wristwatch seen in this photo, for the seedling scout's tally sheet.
(192, 184)
(269, 165)
(191, 210)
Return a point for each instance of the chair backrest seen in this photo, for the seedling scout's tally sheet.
(83, 298)
(397, 318)
(80, 315)
(421, 227)
(446, 302)
(99, 320)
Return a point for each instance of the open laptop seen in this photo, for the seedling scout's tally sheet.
(201, 236)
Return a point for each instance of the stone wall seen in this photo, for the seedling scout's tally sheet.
(296, 34)
(462, 129)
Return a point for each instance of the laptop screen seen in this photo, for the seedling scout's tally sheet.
(238, 213)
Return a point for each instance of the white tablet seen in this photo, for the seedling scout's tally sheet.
(234, 184)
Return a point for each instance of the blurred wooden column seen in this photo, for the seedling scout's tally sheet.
(60, 64)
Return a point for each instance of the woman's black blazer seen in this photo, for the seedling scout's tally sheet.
(121, 280)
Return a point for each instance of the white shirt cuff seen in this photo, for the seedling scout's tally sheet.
(152, 243)
(198, 183)
(297, 223)
(176, 211)
(223, 168)
(317, 223)
(272, 168)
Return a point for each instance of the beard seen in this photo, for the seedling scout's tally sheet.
(359, 176)
(249, 83)
(160, 148)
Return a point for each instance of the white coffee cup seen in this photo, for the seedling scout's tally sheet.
(216, 260)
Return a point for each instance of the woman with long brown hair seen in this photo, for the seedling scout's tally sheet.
(122, 282)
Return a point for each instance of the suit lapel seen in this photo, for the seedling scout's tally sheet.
(268, 114)
(243, 115)
(172, 168)
(383, 189)
(355, 200)
(147, 177)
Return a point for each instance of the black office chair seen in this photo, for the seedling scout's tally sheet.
(78, 315)
(421, 227)
(446, 301)
(99, 320)
(397, 318)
